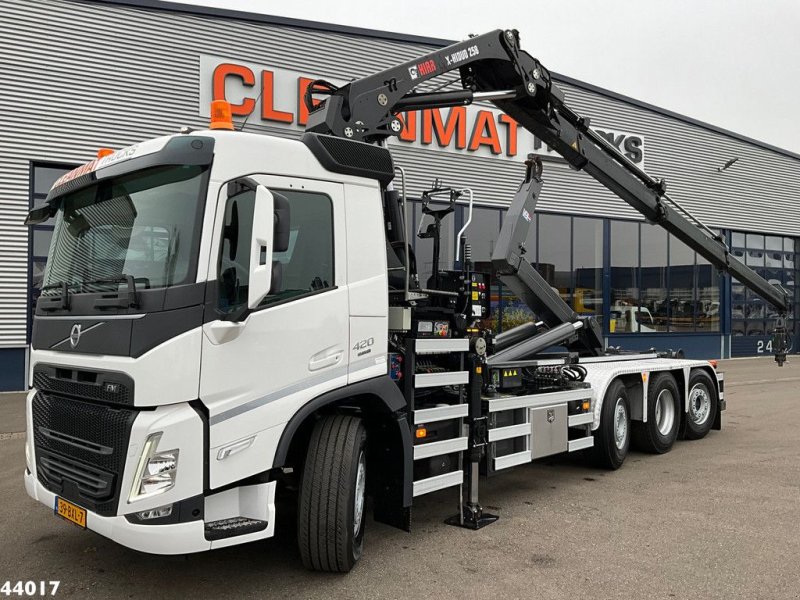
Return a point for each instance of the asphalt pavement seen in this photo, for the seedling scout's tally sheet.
(715, 518)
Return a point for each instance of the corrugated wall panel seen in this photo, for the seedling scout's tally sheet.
(77, 76)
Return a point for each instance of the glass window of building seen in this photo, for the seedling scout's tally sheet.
(773, 258)
(554, 253)
(653, 312)
(707, 285)
(774, 252)
(755, 250)
(682, 302)
(624, 276)
(587, 265)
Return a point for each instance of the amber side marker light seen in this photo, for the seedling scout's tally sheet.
(104, 152)
(221, 116)
(713, 363)
(421, 433)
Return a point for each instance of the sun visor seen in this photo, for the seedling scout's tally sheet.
(172, 150)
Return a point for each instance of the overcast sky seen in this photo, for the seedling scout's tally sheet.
(732, 63)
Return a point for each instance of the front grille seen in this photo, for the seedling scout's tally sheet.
(116, 388)
(81, 449)
(91, 482)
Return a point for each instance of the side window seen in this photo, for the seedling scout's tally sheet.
(306, 266)
(307, 263)
(234, 257)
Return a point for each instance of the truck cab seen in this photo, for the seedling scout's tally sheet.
(201, 289)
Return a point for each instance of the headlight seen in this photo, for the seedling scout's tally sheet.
(156, 471)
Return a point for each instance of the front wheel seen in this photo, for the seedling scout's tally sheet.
(330, 519)
(612, 438)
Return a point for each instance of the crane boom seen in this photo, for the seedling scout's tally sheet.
(493, 67)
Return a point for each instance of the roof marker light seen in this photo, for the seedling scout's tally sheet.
(221, 116)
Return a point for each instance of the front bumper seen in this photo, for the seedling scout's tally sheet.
(174, 538)
(178, 538)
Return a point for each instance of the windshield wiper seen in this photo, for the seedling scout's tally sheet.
(48, 303)
(129, 300)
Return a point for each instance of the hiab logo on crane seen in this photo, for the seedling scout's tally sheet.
(424, 68)
(274, 97)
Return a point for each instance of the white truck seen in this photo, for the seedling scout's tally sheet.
(632, 319)
(225, 314)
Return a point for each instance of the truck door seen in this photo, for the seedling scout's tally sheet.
(257, 371)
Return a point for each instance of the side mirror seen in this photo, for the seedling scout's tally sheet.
(40, 215)
(261, 247)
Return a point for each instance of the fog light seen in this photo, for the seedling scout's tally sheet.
(155, 513)
(156, 471)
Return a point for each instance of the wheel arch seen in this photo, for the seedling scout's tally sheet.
(633, 386)
(382, 406)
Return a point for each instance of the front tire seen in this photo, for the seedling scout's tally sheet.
(703, 404)
(331, 507)
(659, 433)
(612, 438)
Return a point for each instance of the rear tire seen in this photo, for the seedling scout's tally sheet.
(664, 406)
(331, 506)
(612, 438)
(703, 404)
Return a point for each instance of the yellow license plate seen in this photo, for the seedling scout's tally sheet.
(70, 512)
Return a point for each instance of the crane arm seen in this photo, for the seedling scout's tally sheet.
(492, 67)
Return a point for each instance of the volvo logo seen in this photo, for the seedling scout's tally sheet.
(75, 335)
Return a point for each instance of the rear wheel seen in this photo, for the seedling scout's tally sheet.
(331, 509)
(612, 438)
(659, 433)
(702, 405)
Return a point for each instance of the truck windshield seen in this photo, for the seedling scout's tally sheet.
(144, 224)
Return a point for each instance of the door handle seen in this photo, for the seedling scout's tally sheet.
(321, 362)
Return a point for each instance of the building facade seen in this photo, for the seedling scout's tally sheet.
(78, 76)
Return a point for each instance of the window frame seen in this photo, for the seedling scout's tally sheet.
(242, 312)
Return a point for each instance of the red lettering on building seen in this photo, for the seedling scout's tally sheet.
(409, 131)
(484, 133)
(268, 112)
(221, 73)
(511, 134)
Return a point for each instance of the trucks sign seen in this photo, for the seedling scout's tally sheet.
(274, 96)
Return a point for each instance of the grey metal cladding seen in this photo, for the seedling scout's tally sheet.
(77, 76)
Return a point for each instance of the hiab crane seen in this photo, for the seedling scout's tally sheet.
(227, 316)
